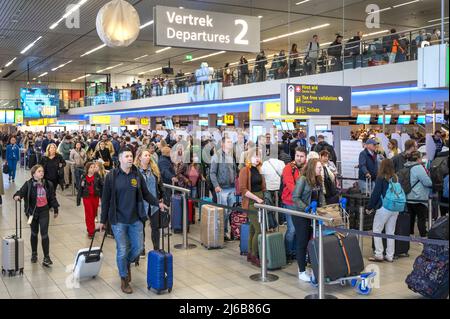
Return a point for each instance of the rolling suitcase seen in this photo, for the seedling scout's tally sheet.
(177, 213)
(32, 160)
(245, 235)
(341, 256)
(191, 212)
(212, 227)
(160, 268)
(204, 198)
(88, 261)
(237, 218)
(401, 229)
(13, 249)
(275, 250)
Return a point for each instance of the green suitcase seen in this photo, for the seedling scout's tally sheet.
(275, 250)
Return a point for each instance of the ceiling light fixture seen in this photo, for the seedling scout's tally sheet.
(439, 19)
(301, 2)
(109, 68)
(260, 17)
(381, 10)
(68, 13)
(162, 50)
(61, 66)
(296, 32)
(81, 77)
(152, 70)
(375, 33)
(405, 3)
(43, 74)
(141, 57)
(93, 50)
(205, 56)
(146, 24)
(28, 47)
(10, 62)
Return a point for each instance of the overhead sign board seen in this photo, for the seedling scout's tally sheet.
(187, 28)
(306, 99)
(145, 121)
(228, 119)
(100, 119)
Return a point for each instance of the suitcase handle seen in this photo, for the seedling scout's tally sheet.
(92, 242)
(19, 226)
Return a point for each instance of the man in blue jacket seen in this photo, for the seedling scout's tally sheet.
(368, 164)
(123, 198)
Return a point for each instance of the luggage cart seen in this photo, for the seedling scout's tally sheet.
(361, 282)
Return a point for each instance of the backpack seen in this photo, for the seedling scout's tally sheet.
(395, 199)
(438, 170)
(404, 177)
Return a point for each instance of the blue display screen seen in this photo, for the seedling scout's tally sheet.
(39, 103)
(387, 119)
(363, 119)
(404, 119)
(9, 117)
(421, 119)
(439, 118)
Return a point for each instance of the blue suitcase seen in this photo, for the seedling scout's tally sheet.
(245, 234)
(177, 213)
(160, 268)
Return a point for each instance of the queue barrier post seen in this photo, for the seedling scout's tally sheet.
(262, 208)
(185, 244)
(430, 212)
(263, 276)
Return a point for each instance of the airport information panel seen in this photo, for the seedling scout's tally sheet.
(310, 99)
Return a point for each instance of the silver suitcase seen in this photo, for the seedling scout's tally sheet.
(13, 249)
(88, 261)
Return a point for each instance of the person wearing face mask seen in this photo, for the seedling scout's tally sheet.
(152, 177)
(39, 195)
(291, 173)
(252, 186)
(308, 188)
(123, 197)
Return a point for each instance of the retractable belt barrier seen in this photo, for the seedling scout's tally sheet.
(438, 242)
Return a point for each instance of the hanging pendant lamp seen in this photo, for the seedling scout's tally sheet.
(118, 24)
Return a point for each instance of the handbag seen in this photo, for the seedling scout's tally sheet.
(5, 168)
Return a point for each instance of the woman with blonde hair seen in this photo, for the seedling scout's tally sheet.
(152, 177)
(53, 164)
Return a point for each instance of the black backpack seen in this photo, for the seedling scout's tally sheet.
(404, 178)
(438, 170)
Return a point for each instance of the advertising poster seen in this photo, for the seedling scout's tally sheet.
(39, 103)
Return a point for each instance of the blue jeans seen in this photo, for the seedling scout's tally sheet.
(129, 240)
(193, 193)
(289, 239)
(226, 197)
(12, 167)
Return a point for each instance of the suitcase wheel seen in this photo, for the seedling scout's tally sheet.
(363, 290)
(149, 287)
(93, 277)
(21, 272)
(343, 283)
(169, 290)
(3, 272)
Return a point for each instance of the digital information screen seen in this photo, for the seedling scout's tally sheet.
(303, 99)
(39, 103)
(9, 118)
(387, 119)
(363, 119)
(404, 119)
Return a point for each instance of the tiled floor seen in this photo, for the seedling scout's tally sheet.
(198, 273)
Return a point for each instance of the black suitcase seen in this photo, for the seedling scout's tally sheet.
(402, 229)
(334, 260)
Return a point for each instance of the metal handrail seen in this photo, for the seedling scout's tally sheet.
(184, 191)
(269, 277)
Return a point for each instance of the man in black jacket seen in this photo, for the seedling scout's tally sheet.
(323, 145)
(122, 205)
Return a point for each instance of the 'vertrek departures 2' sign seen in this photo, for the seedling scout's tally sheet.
(187, 28)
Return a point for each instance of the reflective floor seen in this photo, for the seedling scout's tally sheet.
(198, 273)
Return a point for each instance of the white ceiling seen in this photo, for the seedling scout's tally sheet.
(22, 21)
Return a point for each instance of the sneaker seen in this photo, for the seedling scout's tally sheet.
(125, 286)
(34, 258)
(47, 262)
(13, 180)
(304, 276)
(226, 238)
(376, 259)
(389, 259)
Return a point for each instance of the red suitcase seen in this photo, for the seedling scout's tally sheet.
(191, 212)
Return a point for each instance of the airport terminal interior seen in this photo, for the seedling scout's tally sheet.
(263, 143)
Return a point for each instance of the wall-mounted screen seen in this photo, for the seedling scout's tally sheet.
(420, 119)
(9, 118)
(168, 124)
(404, 119)
(439, 118)
(2, 116)
(387, 119)
(277, 124)
(284, 126)
(39, 103)
(203, 122)
(363, 119)
(291, 126)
